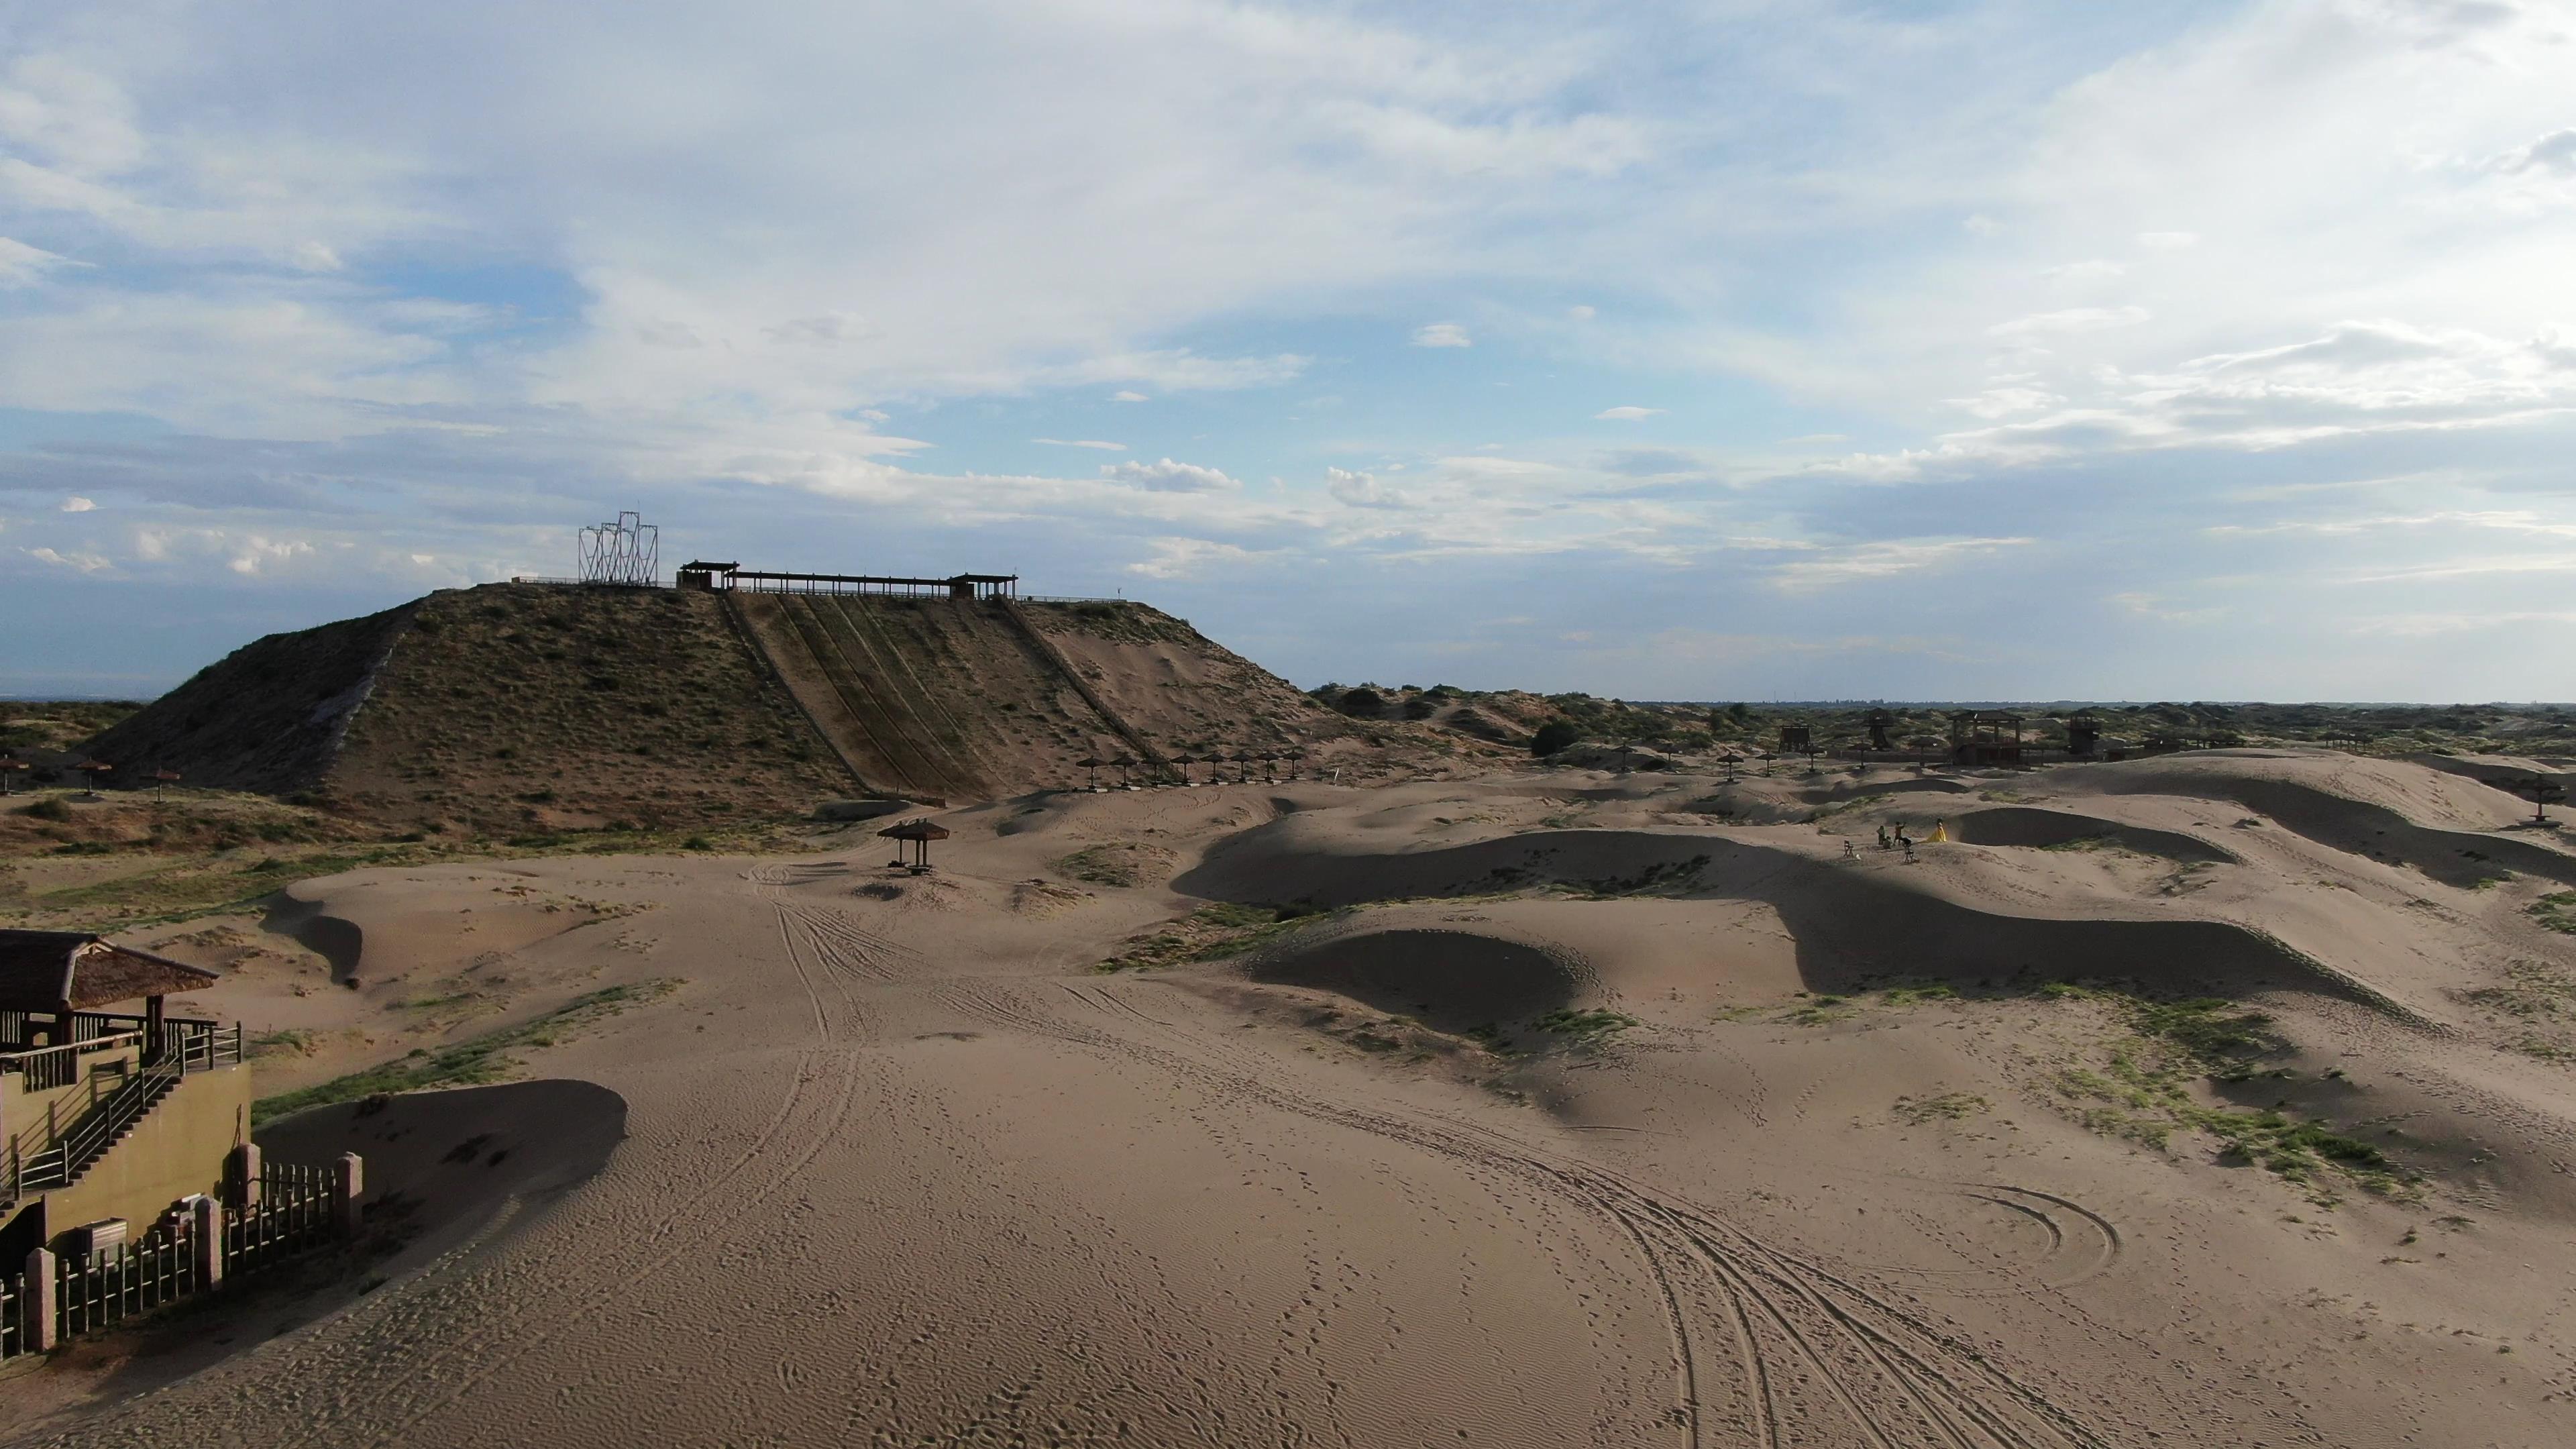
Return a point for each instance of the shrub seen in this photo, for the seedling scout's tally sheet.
(1362, 702)
(1554, 736)
(49, 808)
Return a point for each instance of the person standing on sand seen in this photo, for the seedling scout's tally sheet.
(1882, 835)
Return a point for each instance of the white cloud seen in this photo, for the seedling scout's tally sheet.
(88, 563)
(2168, 241)
(2002, 402)
(1128, 395)
(257, 554)
(1581, 312)
(1361, 490)
(1888, 558)
(1177, 558)
(2093, 270)
(2143, 605)
(1625, 414)
(1082, 443)
(22, 265)
(314, 256)
(1169, 477)
(1442, 334)
(2555, 152)
(823, 329)
(76, 504)
(2070, 319)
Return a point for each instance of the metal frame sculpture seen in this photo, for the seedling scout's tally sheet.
(626, 551)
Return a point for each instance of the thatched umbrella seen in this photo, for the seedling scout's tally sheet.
(1124, 763)
(920, 833)
(1182, 763)
(163, 777)
(1093, 764)
(9, 767)
(94, 769)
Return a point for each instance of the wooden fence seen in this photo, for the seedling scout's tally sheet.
(13, 1314)
(280, 1212)
(294, 1213)
(126, 1281)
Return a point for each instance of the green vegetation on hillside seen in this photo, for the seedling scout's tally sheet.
(470, 1063)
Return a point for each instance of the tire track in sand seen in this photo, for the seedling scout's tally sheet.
(805, 1123)
(1823, 1358)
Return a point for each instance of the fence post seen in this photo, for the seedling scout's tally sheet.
(243, 1168)
(348, 1182)
(43, 1325)
(206, 1240)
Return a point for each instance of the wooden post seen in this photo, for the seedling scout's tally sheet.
(206, 1240)
(242, 1167)
(43, 1306)
(348, 1184)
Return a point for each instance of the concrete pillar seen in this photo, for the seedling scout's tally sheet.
(206, 1240)
(348, 1184)
(43, 1303)
(241, 1174)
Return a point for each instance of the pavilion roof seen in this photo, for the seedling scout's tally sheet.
(77, 971)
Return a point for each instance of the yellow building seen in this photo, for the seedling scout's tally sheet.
(111, 1110)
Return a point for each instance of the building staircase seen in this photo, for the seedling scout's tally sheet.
(51, 1155)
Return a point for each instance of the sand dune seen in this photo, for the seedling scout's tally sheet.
(1570, 1115)
(2045, 829)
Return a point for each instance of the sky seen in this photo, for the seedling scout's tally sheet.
(1719, 350)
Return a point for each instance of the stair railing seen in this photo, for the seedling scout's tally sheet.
(55, 1152)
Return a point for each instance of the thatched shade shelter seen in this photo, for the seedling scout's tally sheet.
(94, 769)
(919, 833)
(8, 768)
(1093, 764)
(52, 974)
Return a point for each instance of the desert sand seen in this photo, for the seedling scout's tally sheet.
(1581, 1108)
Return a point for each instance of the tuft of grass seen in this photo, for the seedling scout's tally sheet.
(279, 1043)
(1821, 1009)
(2143, 1094)
(2555, 911)
(1584, 1027)
(483, 1059)
(1948, 1107)
(1210, 933)
(1929, 991)
(1122, 863)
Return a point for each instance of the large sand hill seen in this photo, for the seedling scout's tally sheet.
(1560, 1109)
